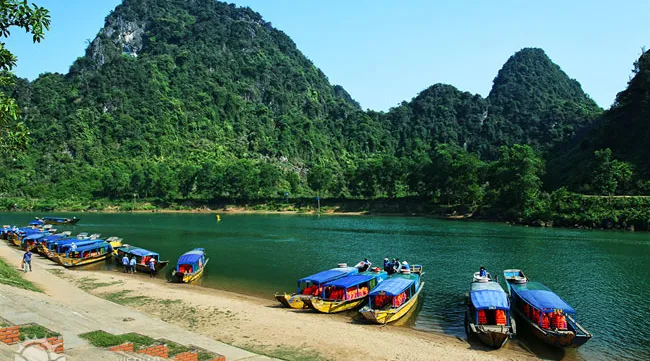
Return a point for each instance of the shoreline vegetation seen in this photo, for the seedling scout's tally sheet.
(569, 210)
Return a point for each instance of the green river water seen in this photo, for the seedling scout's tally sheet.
(602, 274)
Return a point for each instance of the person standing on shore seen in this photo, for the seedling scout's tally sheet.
(125, 263)
(27, 261)
(132, 265)
(152, 268)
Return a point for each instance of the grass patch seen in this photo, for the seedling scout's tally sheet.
(56, 272)
(105, 339)
(36, 331)
(175, 348)
(287, 353)
(89, 283)
(123, 298)
(206, 356)
(10, 276)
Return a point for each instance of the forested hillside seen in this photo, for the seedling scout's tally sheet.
(202, 100)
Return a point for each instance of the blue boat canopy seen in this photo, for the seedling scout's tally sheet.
(139, 252)
(541, 297)
(349, 281)
(328, 275)
(488, 296)
(192, 256)
(91, 247)
(393, 286)
(34, 236)
(36, 222)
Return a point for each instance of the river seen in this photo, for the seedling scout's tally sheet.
(602, 274)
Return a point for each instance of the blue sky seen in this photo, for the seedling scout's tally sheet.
(384, 52)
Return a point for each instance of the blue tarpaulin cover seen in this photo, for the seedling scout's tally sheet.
(393, 286)
(138, 251)
(34, 236)
(541, 297)
(91, 247)
(488, 295)
(349, 281)
(191, 257)
(329, 275)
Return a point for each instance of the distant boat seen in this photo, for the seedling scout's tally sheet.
(346, 293)
(190, 266)
(142, 258)
(488, 312)
(311, 286)
(394, 297)
(56, 220)
(85, 254)
(548, 316)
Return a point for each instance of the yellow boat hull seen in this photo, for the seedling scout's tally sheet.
(386, 316)
(328, 306)
(292, 301)
(74, 262)
(15, 240)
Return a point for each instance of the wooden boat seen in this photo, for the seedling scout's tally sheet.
(548, 316)
(142, 257)
(86, 254)
(308, 287)
(57, 220)
(488, 312)
(394, 297)
(190, 266)
(346, 293)
(17, 235)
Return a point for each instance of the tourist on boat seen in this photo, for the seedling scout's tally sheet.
(73, 247)
(405, 266)
(387, 266)
(152, 268)
(132, 263)
(27, 261)
(364, 265)
(125, 263)
(483, 272)
(396, 265)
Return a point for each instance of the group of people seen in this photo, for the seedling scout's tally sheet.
(395, 266)
(129, 265)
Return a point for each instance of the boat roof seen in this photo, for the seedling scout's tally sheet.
(36, 222)
(393, 286)
(488, 295)
(329, 275)
(138, 251)
(93, 246)
(192, 256)
(350, 280)
(34, 236)
(541, 297)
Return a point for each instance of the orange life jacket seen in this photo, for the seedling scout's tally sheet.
(545, 321)
(482, 319)
(562, 325)
(501, 317)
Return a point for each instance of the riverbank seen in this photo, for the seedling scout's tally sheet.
(254, 324)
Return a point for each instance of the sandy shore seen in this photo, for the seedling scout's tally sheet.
(262, 326)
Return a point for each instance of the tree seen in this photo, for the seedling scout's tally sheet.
(319, 178)
(609, 173)
(35, 20)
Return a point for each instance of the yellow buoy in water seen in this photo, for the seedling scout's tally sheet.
(218, 218)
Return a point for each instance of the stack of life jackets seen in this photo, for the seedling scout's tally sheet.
(482, 319)
(337, 294)
(558, 320)
(312, 290)
(500, 316)
(352, 293)
(399, 299)
(381, 300)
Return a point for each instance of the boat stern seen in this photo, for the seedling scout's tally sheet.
(291, 301)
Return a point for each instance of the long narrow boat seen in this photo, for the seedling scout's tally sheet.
(16, 236)
(190, 266)
(83, 255)
(548, 316)
(394, 297)
(57, 220)
(488, 312)
(346, 293)
(142, 258)
(309, 286)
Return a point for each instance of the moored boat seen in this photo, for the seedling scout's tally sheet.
(190, 266)
(142, 258)
(394, 297)
(548, 316)
(346, 293)
(488, 312)
(308, 287)
(86, 254)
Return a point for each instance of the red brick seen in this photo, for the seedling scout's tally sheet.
(220, 358)
(52, 339)
(187, 356)
(126, 347)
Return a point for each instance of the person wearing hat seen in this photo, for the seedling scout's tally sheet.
(364, 265)
(396, 265)
(152, 268)
(482, 272)
(406, 266)
(388, 266)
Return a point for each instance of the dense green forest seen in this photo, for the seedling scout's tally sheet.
(197, 101)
